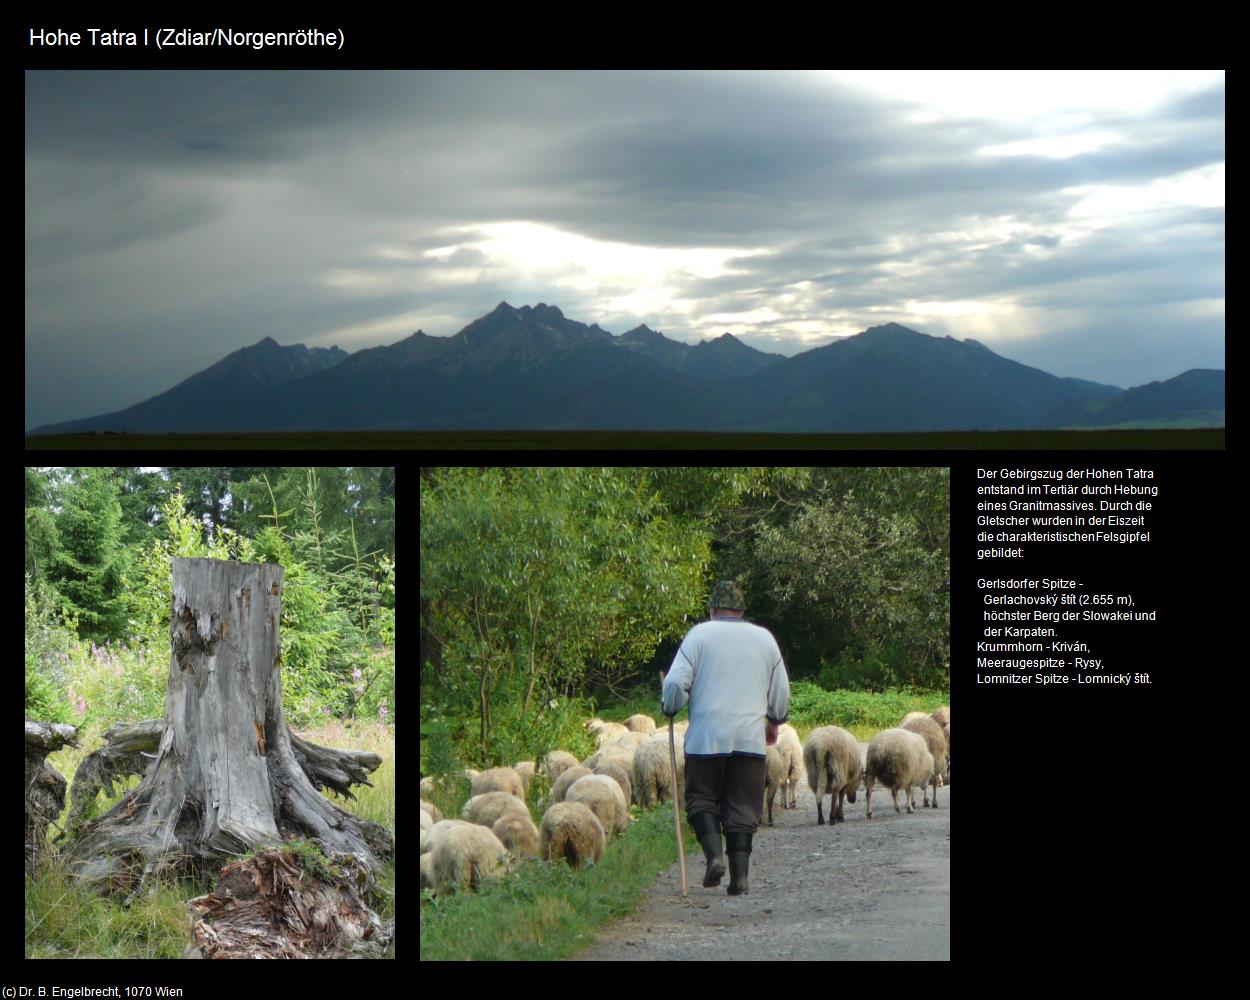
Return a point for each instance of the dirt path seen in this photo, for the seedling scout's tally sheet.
(864, 889)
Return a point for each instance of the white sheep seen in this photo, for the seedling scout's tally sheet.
(499, 779)
(604, 798)
(640, 724)
(653, 779)
(615, 752)
(912, 715)
(561, 787)
(484, 809)
(570, 831)
(942, 716)
(525, 770)
(438, 829)
(900, 760)
(791, 749)
(620, 775)
(427, 869)
(774, 778)
(466, 856)
(432, 809)
(936, 742)
(517, 833)
(605, 731)
(831, 759)
(625, 741)
(556, 762)
(431, 784)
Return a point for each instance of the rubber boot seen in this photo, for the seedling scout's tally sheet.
(707, 829)
(739, 849)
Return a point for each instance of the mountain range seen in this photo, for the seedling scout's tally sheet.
(533, 368)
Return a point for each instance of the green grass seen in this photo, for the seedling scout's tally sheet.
(544, 910)
(863, 713)
(65, 919)
(1134, 439)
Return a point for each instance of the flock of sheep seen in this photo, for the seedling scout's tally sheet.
(589, 801)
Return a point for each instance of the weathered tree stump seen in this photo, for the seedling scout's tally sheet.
(280, 904)
(225, 777)
(45, 788)
(130, 748)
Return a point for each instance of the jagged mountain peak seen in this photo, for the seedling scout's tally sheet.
(894, 329)
(533, 367)
(726, 341)
(640, 332)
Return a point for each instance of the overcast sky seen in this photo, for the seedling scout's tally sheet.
(1074, 222)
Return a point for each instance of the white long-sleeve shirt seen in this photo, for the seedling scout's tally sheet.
(732, 674)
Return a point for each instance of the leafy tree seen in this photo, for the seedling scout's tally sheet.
(47, 646)
(534, 575)
(42, 540)
(855, 572)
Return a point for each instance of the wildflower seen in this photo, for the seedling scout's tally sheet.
(356, 674)
(382, 711)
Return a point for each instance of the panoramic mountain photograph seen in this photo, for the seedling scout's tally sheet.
(406, 256)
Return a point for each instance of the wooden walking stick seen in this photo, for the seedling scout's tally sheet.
(672, 759)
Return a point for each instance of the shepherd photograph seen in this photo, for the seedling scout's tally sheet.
(210, 713)
(685, 713)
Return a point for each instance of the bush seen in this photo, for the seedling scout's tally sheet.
(811, 706)
(49, 641)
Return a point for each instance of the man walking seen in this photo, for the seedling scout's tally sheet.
(732, 674)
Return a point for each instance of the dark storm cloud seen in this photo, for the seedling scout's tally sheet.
(174, 217)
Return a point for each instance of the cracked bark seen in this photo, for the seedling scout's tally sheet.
(45, 788)
(225, 777)
(130, 748)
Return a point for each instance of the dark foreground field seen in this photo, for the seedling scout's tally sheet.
(1200, 439)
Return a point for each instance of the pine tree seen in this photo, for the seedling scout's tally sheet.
(88, 567)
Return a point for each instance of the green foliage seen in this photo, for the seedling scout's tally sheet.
(118, 681)
(864, 713)
(65, 919)
(541, 585)
(539, 577)
(878, 668)
(384, 626)
(88, 563)
(854, 569)
(48, 643)
(149, 599)
(557, 724)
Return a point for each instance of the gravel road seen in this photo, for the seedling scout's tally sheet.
(864, 889)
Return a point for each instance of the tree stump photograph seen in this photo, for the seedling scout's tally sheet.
(226, 789)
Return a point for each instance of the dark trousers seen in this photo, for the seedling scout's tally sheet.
(729, 787)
